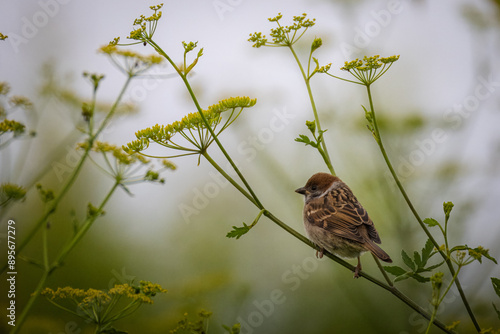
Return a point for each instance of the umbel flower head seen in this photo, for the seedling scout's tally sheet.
(130, 62)
(368, 70)
(126, 167)
(192, 135)
(283, 35)
(146, 26)
(104, 307)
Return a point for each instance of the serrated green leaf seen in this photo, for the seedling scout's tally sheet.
(395, 270)
(419, 278)
(304, 139)
(238, 232)
(417, 259)
(426, 251)
(431, 222)
(408, 261)
(496, 285)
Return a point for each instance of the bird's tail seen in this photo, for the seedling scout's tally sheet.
(377, 251)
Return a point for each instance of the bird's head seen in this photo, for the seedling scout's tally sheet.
(317, 185)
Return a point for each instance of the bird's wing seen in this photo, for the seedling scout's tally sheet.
(340, 213)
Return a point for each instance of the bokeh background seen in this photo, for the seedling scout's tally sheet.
(447, 78)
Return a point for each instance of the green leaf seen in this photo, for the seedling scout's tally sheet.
(417, 259)
(431, 268)
(395, 270)
(486, 253)
(304, 139)
(407, 260)
(431, 222)
(459, 248)
(496, 285)
(402, 277)
(238, 232)
(426, 251)
(419, 278)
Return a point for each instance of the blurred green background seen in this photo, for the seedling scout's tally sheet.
(449, 52)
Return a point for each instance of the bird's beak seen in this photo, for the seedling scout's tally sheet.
(301, 191)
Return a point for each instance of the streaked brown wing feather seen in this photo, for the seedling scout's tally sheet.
(340, 213)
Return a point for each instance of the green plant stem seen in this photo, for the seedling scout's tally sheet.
(74, 175)
(326, 156)
(415, 213)
(62, 255)
(230, 179)
(83, 230)
(200, 111)
(433, 316)
(381, 268)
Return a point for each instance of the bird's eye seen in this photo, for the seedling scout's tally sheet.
(314, 187)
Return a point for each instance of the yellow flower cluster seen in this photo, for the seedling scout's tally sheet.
(281, 35)
(90, 297)
(190, 125)
(118, 153)
(143, 33)
(111, 49)
(11, 126)
(368, 63)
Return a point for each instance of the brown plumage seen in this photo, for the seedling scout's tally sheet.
(336, 222)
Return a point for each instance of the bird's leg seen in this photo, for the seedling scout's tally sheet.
(357, 270)
(319, 254)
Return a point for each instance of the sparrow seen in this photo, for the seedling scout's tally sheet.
(335, 221)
